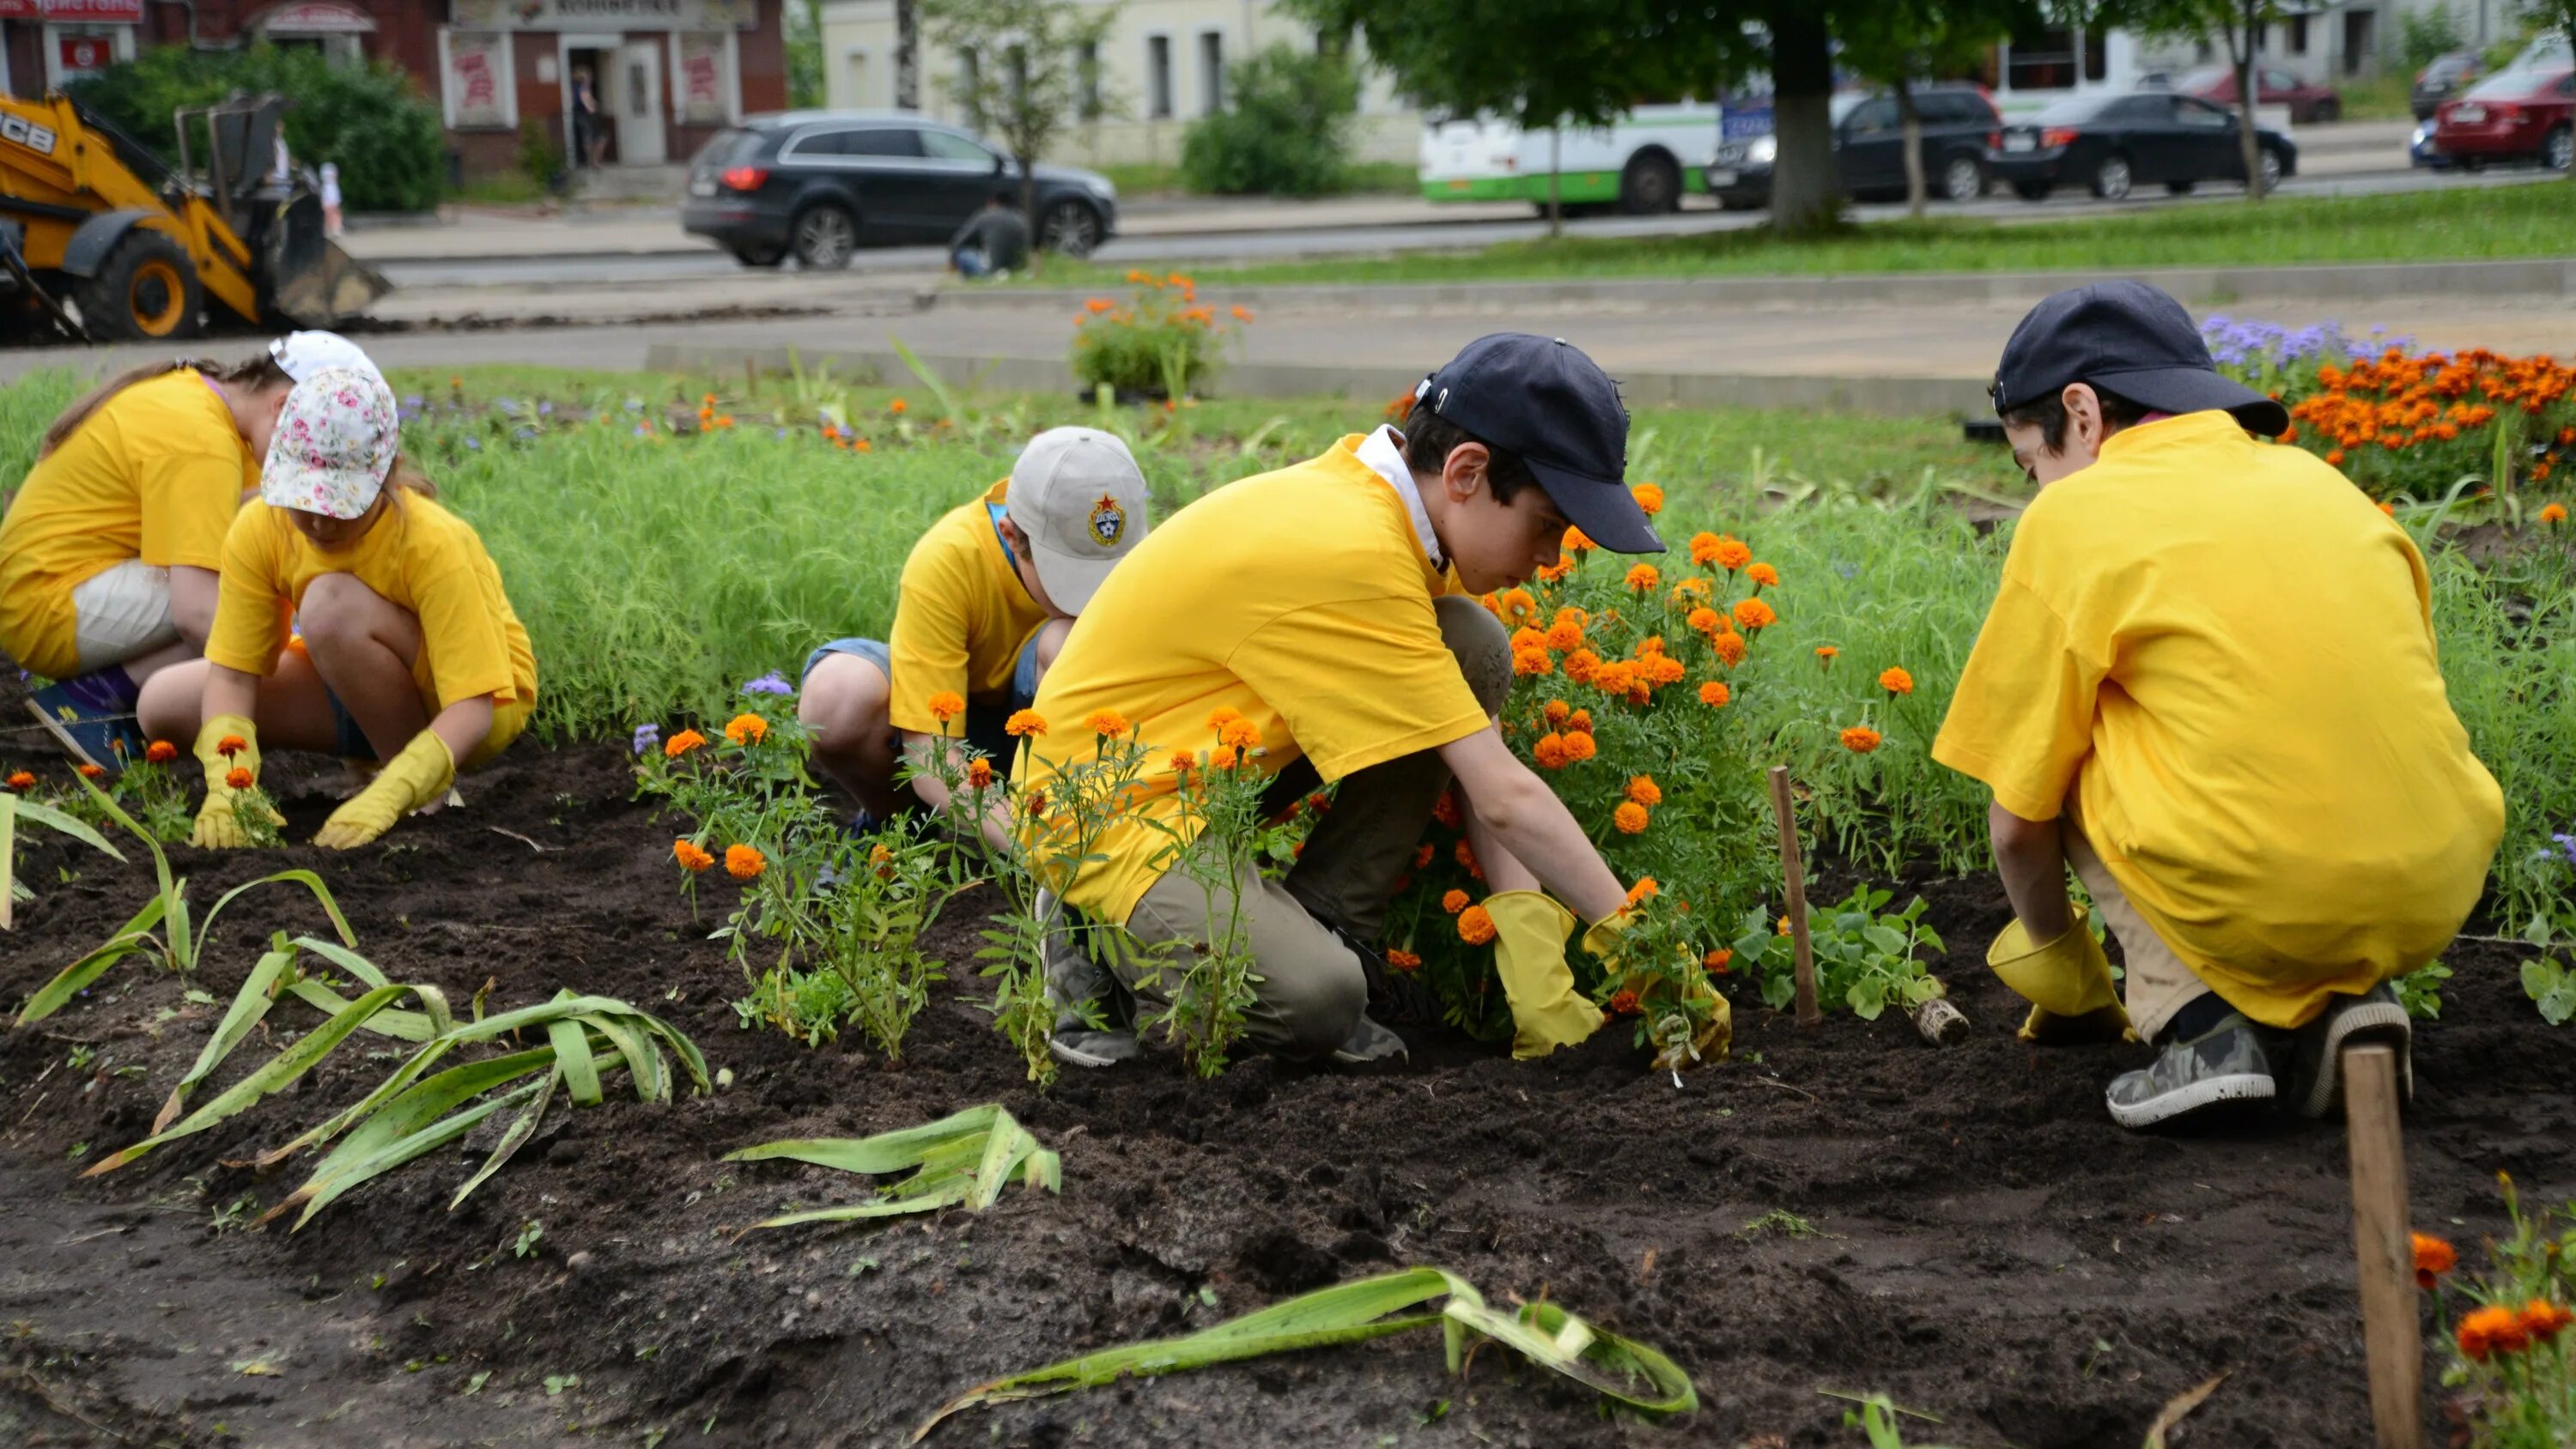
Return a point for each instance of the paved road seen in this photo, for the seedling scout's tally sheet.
(1284, 243)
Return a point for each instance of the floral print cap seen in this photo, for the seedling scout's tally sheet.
(334, 443)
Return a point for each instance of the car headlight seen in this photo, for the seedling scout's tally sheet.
(2423, 132)
(1763, 150)
(1102, 187)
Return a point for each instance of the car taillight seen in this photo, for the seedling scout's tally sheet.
(1994, 140)
(745, 178)
(2058, 136)
(2505, 111)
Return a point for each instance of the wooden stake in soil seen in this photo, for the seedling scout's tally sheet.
(2380, 1246)
(1793, 874)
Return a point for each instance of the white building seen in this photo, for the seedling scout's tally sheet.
(1161, 67)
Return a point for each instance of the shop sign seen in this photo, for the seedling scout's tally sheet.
(617, 15)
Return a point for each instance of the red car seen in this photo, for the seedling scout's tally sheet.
(2519, 115)
(2307, 100)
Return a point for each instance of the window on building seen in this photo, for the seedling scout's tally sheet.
(2097, 54)
(1158, 77)
(2298, 42)
(1211, 72)
(1086, 80)
(2041, 60)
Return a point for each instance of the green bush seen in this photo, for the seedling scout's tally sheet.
(1286, 132)
(369, 119)
(2426, 34)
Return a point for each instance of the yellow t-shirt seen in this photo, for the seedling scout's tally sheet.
(418, 556)
(155, 474)
(2220, 657)
(961, 617)
(1301, 599)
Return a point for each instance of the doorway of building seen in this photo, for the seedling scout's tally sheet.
(637, 93)
(590, 123)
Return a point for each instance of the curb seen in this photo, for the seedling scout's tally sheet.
(1369, 386)
(2208, 286)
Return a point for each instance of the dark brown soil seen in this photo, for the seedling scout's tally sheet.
(1985, 1246)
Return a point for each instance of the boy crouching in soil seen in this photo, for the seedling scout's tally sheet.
(2208, 684)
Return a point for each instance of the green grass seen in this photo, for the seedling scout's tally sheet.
(1163, 178)
(503, 188)
(2444, 224)
(2378, 98)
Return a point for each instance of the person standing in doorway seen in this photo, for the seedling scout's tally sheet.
(590, 135)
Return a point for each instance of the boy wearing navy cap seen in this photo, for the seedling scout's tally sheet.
(2208, 684)
(1330, 606)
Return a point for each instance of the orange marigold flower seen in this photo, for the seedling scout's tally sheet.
(1703, 548)
(1860, 739)
(1644, 790)
(1730, 648)
(1731, 554)
(1098, 305)
(1241, 313)
(1398, 959)
(2388, 508)
(237, 778)
(1763, 575)
(1642, 578)
(1528, 662)
(1465, 855)
(979, 774)
(746, 729)
(1631, 818)
(1649, 498)
(1024, 723)
(742, 862)
(1644, 887)
(1663, 669)
(1577, 541)
(1422, 855)
(2544, 1320)
(1224, 757)
(21, 780)
(2553, 513)
(2492, 1329)
(1896, 681)
(1445, 809)
(1106, 722)
(1475, 926)
(1580, 722)
(2433, 1258)
(1221, 716)
(2334, 458)
(1550, 751)
(1623, 1002)
(1616, 677)
(1241, 733)
(231, 745)
(1580, 664)
(91, 772)
(160, 752)
(1717, 961)
(1454, 902)
(946, 705)
(1517, 606)
(690, 857)
(1564, 634)
(1715, 694)
(681, 743)
(898, 405)
(1557, 711)
(1825, 653)
(1705, 620)
(1752, 614)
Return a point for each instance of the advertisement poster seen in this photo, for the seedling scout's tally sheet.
(474, 77)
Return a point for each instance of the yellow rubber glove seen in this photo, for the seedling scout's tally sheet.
(417, 776)
(2067, 983)
(1607, 942)
(218, 820)
(1530, 931)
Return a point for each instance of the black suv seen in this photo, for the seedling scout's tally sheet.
(818, 185)
(1959, 122)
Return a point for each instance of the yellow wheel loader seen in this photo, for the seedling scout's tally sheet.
(100, 240)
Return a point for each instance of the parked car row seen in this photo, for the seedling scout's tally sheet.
(818, 185)
(2513, 115)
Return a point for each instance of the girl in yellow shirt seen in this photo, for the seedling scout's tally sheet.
(109, 552)
(409, 654)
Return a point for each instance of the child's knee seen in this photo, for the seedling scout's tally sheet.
(172, 703)
(337, 609)
(843, 701)
(1483, 648)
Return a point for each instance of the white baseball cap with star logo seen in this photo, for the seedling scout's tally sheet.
(1079, 496)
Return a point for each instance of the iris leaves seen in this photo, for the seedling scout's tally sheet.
(966, 1158)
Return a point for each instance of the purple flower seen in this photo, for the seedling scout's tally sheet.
(2567, 843)
(545, 410)
(647, 736)
(413, 400)
(474, 444)
(771, 683)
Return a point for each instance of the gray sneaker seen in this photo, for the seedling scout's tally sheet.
(1370, 1044)
(2228, 1063)
(2317, 1061)
(1085, 1047)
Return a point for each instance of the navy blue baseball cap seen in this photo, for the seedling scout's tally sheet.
(2130, 339)
(1544, 402)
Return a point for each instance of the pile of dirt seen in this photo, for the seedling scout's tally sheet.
(1840, 1209)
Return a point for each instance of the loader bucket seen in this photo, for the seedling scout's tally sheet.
(328, 289)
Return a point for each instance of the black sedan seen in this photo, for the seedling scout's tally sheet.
(817, 185)
(2114, 144)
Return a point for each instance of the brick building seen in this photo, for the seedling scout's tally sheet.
(666, 74)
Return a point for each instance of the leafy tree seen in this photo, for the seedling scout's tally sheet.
(1900, 42)
(803, 20)
(1021, 82)
(1285, 130)
(2237, 23)
(2426, 34)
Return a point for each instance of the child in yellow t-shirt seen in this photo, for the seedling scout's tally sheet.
(409, 651)
(109, 552)
(2208, 684)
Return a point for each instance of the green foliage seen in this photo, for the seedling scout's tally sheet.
(803, 22)
(541, 157)
(1022, 80)
(1161, 342)
(2426, 33)
(1285, 130)
(2552, 987)
(1865, 959)
(2502, 1330)
(960, 1160)
(370, 118)
(2420, 990)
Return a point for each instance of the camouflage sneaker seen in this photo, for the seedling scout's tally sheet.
(2230, 1062)
(1370, 1045)
(2317, 1051)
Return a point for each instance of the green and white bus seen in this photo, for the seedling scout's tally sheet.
(1641, 164)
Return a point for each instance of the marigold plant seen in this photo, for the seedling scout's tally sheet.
(744, 862)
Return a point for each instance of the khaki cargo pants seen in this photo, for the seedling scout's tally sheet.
(2156, 983)
(1312, 989)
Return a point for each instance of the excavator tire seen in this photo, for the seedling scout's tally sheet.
(147, 292)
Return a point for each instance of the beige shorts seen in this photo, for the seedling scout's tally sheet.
(120, 613)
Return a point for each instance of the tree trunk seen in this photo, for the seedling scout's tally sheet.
(2240, 46)
(1555, 182)
(1806, 192)
(907, 57)
(2571, 50)
(1917, 191)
